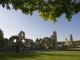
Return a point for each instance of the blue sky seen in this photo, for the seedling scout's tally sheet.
(12, 22)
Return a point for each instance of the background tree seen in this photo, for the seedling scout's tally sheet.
(1, 39)
(6, 43)
(47, 9)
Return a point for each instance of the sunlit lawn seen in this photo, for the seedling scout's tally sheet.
(55, 55)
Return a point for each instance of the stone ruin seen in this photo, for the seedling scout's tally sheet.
(20, 38)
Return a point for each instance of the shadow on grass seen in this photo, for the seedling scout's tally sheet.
(13, 56)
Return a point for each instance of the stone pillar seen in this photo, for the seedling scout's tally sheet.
(54, 40)
(71, 40)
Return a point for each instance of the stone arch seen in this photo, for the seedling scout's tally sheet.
(21, 35)
(12, 38)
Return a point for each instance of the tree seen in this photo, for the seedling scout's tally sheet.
(47, 9)
(1, 39)
(6, 43)
(1, 35)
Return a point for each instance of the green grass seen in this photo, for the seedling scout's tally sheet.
(74, 49)
(55, 55)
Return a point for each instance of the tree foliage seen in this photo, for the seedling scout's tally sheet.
(47, 9)
(1, 34)
(1, 39)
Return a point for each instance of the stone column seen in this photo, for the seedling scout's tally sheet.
(71, 40)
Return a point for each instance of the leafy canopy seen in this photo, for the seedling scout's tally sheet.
(47, 9)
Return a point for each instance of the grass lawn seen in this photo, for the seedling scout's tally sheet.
(55, 55)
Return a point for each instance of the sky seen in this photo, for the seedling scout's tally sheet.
(12, 22)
